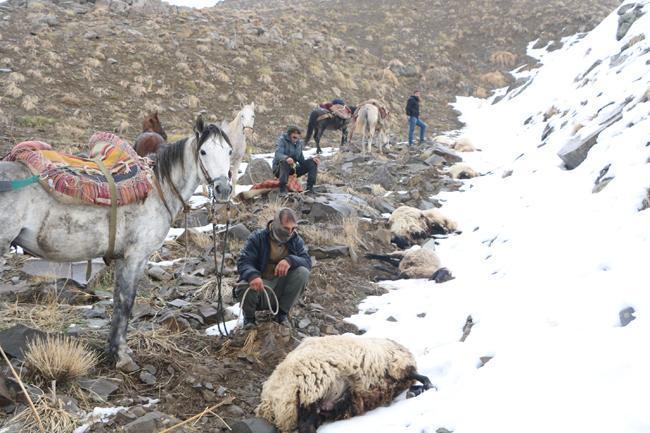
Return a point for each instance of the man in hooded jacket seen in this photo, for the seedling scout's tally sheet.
(289, 160)
(275, 257)
(413, 114)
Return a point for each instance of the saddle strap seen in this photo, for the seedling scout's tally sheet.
(112, 223)
(156, 182)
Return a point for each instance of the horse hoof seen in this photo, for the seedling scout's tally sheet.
(126, 364)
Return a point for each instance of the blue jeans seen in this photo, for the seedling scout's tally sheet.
(413, 122)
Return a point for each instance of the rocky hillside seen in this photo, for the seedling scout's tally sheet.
(68, 69)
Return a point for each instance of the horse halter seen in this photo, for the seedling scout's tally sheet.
(211, 129)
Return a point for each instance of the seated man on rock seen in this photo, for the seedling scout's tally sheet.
(275, 257)
(289, 160)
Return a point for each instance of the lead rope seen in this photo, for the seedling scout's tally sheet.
(266, 292)
(221, 311)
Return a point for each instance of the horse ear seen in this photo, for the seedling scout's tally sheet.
(199, 126)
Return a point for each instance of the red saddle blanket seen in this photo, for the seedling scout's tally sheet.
(292, 184)
(77, 179)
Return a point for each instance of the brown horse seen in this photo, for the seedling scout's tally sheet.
(152, 137)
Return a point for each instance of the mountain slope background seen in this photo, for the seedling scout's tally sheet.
(69, 69)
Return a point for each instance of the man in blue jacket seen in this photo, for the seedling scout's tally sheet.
(275, 257)
(289, 160)
(413, 113)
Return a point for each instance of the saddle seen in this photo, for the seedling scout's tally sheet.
(336, 110)
(75, 179)
(383, 111)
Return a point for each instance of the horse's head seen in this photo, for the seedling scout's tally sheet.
(213, 150)
(247, 116)
(151, 123)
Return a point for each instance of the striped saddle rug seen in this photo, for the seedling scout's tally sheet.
(76, 179)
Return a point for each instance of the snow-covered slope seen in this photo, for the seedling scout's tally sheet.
(544, 264)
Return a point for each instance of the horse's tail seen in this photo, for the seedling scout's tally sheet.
(310, 127)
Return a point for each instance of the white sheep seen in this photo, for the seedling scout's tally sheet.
(408, 224)
(336, 377)
(462, 171)
(464, 144)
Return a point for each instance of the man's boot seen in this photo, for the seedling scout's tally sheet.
(282, 318)
(250, 323)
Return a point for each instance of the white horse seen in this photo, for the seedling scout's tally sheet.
(370, 122)
(33, 219)
(238, 130)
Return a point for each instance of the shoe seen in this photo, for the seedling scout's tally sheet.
(249, 323)
(282, 318)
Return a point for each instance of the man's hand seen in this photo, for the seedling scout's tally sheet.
(257, 284)
(290, 161)
(316, 160)
(282, 268)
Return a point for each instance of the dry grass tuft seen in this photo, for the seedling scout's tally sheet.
(55, 419)
(71, 100)
(30, 102)
(13, 91)
(503, 59)
(60, 358)
(494, 79)
(192, 101)
(268, 212)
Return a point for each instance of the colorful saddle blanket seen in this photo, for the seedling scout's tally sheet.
(79, 179)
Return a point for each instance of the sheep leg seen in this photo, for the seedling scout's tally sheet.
(426, 383)
(308, 419)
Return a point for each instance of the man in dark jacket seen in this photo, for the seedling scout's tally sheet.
(275, 257)
(289, 160)
(413, 113)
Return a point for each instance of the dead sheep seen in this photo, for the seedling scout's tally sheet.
(336, 377)
(464, 144)
(461, 171)
(444, 140)
(408, 224)
(414, 263)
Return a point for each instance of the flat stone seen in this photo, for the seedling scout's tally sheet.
(147, 378)
(144, 424)
(179, 303)
(331, 252)
(158, 273)
(304, 322)
(391, 319)
(239, 232)
(100, 389)
(447, 153)
(189, 280)
(258, 170)
(95, 313)
(252, 425)
(6, 396)
(209, 313)
(626, 316)
(97, 323)
(14, 340)
(575, 151)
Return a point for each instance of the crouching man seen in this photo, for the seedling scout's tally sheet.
(275, 257)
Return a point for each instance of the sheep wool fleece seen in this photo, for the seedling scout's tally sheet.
(376, 370)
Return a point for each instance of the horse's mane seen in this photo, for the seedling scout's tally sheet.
(174, 153)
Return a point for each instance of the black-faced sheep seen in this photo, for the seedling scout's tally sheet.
(462, 171)
(413, 263)
(336, 377)
(408, 224)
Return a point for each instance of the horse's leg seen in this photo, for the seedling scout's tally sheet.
(344, 136)
(317, 135)
(127, 272)
(234, 170)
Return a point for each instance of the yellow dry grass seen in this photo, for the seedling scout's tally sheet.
(503, 59)
(30, 102)
(59, 358)
(12, 90)
(50, 410)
